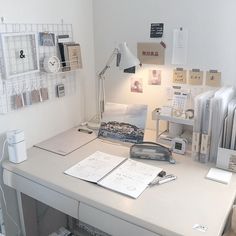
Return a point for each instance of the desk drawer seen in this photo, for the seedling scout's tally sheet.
(109, 223)
(37, 191)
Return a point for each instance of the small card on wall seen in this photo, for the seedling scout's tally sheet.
(35, 96)
(17, 101)
(136, 85)
(179, 76)
(195, 77)
(213, 78)
(151, 53)
(180, 46)
(27, 98)
(154, 77)
(44, 94)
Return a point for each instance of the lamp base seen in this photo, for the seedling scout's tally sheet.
(93, 125)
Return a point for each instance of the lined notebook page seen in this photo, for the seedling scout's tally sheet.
(95, 167)
(131, 178)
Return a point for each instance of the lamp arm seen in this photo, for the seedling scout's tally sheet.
(108, 64)
(101, 87)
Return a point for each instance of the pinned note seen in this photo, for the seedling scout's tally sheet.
(195, 77)
(180, 46)
(213, 78)
(179, 76)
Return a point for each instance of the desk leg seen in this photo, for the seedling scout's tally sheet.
(21, 214)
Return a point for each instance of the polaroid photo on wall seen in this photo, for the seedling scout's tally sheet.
(136, 85)
(154, 77)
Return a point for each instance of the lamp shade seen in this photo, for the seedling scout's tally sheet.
(127, 59)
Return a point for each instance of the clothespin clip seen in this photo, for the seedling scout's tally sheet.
(213, 71)
(195, 70)
(163, 44)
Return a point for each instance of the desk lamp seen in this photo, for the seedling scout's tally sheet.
(125, 60)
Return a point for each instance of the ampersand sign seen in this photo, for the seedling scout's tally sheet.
(22, 55)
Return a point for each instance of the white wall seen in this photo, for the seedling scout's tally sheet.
(211, 41)
(45, 120)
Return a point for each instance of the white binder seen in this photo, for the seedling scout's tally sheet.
(233, 137)
(197, 126)
(219, 111)
(229, 123)
(206, 126)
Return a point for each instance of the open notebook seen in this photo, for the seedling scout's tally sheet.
(117, 173)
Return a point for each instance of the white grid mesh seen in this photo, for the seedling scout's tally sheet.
(22, 84)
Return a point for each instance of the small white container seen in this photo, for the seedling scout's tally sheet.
(16, 146)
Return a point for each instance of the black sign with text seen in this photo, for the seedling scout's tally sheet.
(156, 30)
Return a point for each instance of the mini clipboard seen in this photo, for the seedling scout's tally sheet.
(195, 77)
(213, 78)
(67, 142)
(179, 76)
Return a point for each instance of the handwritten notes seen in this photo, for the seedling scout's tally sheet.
(119, 174)
(94, 167)
(131, 178)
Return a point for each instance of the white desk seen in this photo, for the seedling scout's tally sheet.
(170, 209)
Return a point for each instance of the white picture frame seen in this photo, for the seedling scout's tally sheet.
(20, 54)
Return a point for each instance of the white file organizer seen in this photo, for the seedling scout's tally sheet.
(219, 110)
(25, 82)
(210, 111)
(226, 159)
(226, 156)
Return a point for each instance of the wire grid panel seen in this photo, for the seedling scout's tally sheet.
(38, 85)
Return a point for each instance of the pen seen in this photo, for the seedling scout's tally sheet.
(166, 179)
